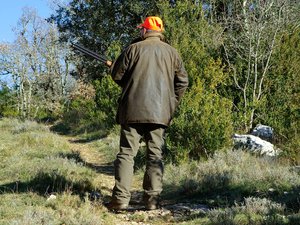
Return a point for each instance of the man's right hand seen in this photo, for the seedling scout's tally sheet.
(108, 63)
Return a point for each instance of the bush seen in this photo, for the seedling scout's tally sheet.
(91, 110)
(107, 94)
(7, 103)
(203, 125)
(282, 108)
(82, 116)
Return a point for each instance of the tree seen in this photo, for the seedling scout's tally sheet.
(251, 37)
(100, 24)
(37, 64)
(105, 27)
(282, 100)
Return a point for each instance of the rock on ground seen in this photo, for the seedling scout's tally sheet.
(254, 144)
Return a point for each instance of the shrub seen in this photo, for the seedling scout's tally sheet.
(91, 109)
(82, 116)
(202, 125)
(107, 94)
(7, 102)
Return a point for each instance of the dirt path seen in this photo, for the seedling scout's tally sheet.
(171, 211)
(93, 158)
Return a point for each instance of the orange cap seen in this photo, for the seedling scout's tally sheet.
(152, 23)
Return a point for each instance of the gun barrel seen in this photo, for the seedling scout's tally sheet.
(90, 53)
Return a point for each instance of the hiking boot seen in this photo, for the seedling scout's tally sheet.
(151, 202)
(112, 205)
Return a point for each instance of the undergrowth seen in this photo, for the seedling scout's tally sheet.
(238, 188)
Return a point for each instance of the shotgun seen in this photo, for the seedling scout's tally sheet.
(92, 54)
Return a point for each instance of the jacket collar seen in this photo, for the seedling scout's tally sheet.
(154, 34)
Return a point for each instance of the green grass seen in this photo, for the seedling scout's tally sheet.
(34, 159)
(239, 188)
(31, 208)
(36, 163)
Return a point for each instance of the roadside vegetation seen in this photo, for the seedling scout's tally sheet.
(58, 136)
(242, 58)
(36, 165)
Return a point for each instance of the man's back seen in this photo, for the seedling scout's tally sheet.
(152, 68)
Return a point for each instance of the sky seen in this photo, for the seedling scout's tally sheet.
(11, 11)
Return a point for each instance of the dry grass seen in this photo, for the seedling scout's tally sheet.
(34, 163)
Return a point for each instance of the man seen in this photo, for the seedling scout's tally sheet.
(153, 80)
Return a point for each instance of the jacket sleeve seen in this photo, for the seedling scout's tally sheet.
(181, 80)
(119, 68)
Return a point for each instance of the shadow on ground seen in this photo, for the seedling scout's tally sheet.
(94, 133)
(45, 183)
(104, 168)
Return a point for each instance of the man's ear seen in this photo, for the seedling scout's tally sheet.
(143, 32)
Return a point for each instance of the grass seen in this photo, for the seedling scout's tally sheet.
(234, 171)
(35, 163)
(30, 208)
(239, 188)
(33, 158)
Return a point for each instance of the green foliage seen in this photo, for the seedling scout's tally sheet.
(188, 31)
(282, 105)
(294, 219)
(107, 93)
(203, 123)
(7, 102)
(98, 24)
(87, 115)
(203, 126)
(291, 149)
(81, 117)
(284, 87)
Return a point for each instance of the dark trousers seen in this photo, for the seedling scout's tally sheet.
(131, 135)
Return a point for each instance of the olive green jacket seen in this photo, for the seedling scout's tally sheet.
(153, 80)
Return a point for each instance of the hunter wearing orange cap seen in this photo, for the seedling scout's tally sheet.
(153, 80)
